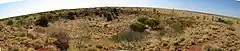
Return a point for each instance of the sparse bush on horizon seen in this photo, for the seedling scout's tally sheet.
(10, 22)
(70, 15)
(43, 21)
(109, 13)
(225, 21)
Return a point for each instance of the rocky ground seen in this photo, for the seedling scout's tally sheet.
(109, 29)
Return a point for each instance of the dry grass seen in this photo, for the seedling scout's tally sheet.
(89, 26)
(130, 36)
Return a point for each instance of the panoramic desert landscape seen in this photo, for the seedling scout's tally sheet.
(120, 28)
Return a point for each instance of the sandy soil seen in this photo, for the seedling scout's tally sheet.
(90, 31)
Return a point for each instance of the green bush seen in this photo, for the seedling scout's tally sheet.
(110, 13)
(137, 27)
(142, 19)
(21, 22)
(18, 18)
(10, 22)
(151, 22)
(43, 21)
(70, 15)
(225, 21)
(108, 16)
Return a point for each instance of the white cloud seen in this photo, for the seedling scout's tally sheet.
(8, 1)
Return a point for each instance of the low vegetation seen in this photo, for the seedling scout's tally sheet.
(151, 22)
(224, 21)
(70, 15)
(112, 30)
(43, 21)
(129, 36)
(109, 13)
(10, 22)
(213, 49)
(62, 40)
(138, 27)
(142, 19)
(178, 27)
(148, 21)
(159, 27)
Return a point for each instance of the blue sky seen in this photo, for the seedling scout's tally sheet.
(9, 8)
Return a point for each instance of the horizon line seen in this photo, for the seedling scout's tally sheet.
(202, 12)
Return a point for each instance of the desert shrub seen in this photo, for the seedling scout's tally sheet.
(142, 19)
(151, 22)
(186, 23)
(62, 40)
(36, 44)
(108, 16)
(70, 15)
(15, 49)
(231, 28)
(137, 27)
(129, 36)
(225, 21)
(18, 18)
(51, 40)
(43, 21)
(170, 21)
(228, 22)
(21, 22)
(53, 18)
(109, 13)
(10, 22)
(115, 11)
(213, 49)
(159, 27)
(162, 33)
(178, 27)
